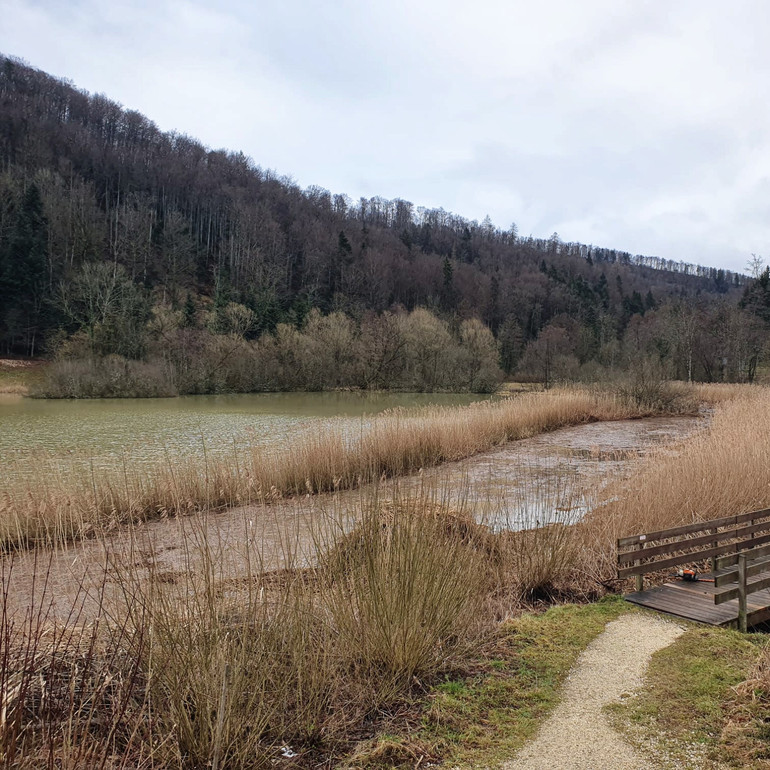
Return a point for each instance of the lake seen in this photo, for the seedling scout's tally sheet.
(102, 432)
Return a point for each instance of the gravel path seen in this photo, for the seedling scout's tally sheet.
(577, 735)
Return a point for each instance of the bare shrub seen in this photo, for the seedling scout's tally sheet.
(646, 388)
(109, 377)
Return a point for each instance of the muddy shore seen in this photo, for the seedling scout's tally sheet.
(549, 477)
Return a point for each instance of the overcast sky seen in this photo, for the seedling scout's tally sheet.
(638, 124)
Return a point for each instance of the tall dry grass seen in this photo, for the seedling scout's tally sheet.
(204, 667)
(722, 470)
(59, 507)
(209, 670)
(714, 393)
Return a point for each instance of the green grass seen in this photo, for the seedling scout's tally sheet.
(481, 718)
(688, 696)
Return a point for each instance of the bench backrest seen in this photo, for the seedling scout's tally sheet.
(725, 537)
(757, 562)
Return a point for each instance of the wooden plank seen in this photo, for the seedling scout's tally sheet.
(687, 529)
(753, 568)
(695, 601)
(671, 599)
(693, 542)
(742, 592)
(754, 553)
(733, 593)
(675, 561)
(759, 616)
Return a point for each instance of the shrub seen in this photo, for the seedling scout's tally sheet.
(110, 377)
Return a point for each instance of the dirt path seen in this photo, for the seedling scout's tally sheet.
(577, 735)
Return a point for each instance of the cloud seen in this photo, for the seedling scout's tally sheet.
(638, 125)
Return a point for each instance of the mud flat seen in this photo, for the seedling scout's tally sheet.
(550, 477)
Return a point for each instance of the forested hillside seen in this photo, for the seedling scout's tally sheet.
(119, 239)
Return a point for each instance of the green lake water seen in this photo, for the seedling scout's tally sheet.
(104, 432)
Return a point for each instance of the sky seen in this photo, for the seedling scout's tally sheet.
(642, 125)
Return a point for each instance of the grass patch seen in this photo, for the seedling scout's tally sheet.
(690, 694)
(16, 377)
(480, 717)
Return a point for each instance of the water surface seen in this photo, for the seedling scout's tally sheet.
(104, 432)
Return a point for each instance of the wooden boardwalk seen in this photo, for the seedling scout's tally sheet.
(695, 601)
(735, 548)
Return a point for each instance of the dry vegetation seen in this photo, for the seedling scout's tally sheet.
(718, 472)
(16, 375)
(202, 668)
(59, 506)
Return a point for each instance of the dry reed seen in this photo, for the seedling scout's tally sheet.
(208, 671)
(57, 507)
(721, 470)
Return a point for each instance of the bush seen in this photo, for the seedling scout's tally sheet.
(405, 587)
(645, 388)
(110, 377)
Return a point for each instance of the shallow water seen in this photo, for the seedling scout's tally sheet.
(552, 477)
(104, 432)
(523, 484)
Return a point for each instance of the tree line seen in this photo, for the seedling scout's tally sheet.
(186, 353)
(107, 223)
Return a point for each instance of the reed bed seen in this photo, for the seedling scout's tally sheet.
(714, 393)
(59, 507)
(207, 667)
(290, 668)
(720, 471)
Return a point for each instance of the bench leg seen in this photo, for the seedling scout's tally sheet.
(640, 578)
(742, 608)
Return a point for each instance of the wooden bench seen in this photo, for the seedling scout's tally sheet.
(729, 550)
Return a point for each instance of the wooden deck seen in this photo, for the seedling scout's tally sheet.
(695, 601)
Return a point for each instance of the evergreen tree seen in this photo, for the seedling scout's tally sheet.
(448, 293)
(649, 301)
(756, 296)
(23, 273)
(189, 313)
(602, 291)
